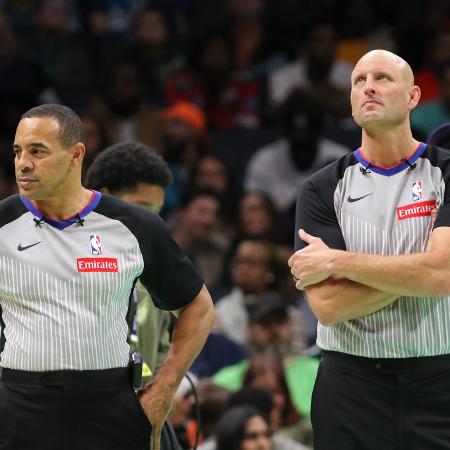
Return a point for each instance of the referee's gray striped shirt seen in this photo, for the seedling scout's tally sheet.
(362, 208)
(65, 285)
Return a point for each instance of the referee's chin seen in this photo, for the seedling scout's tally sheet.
(30, 192)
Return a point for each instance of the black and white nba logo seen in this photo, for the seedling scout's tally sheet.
(417, 189)
(96, 246)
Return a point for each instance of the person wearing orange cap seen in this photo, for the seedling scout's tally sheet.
(184, 139)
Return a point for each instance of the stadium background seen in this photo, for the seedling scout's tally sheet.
(255, 77)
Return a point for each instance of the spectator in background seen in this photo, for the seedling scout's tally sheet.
(111, 16)
(318, 72)
(122, 110)
(135, 174)
(436, 56)
(253, 47)
(195, 227)
(298, 372)
(183, 142)
(263, 401)
(362, 29)
(252, 273)
(153, 52)
(274, 327)
(228, 101)
(281, 167)
(257, 217)
(428, 116)
(267, 373)
(62, 51)
(211, 172)
(95, 138)
(212, 402)
(244, 428)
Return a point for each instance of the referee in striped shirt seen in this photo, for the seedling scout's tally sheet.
(373, 256)
(69, 260)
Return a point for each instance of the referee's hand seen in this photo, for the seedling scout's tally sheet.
(156, 401)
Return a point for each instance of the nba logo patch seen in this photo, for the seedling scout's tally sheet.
(96, 246)
(417, 191)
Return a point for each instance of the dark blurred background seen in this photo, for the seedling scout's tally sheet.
(120, 62)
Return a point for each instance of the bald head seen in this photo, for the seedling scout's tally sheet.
(383, 91)
(391, 60)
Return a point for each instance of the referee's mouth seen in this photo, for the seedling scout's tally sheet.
(25, 181)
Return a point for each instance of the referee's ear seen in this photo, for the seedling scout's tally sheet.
(78, 152)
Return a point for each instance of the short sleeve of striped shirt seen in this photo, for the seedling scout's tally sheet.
(315, 211)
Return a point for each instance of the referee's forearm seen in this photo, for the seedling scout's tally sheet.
(415, 275)
(191, 329)
(339, 299)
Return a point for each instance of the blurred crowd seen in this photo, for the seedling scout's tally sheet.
(244, 100)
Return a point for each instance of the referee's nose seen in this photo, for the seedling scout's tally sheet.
(23, 163)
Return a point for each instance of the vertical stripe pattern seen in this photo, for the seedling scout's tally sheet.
(411, 326)
(56, 317)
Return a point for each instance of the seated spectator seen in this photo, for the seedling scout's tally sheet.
(253, 42)
(300, 373)
(267, 373)
(95, 138)
(262, 400)
(212, 402)
(326, 78)
(218, 352)
(281, 167)
(195, 227)
(153, 52)
(135, 174)
(244, 428)
(274, 327)
(363, 29)
(257, 217)
(212, 172)
(428, 116)
(228, 100)
(183, 140)
(252, 273)
(122, 110)
(63, 53)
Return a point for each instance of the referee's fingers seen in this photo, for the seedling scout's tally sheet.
(156, 438)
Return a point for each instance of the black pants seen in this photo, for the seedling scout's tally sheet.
(381, 404)
(71, 410)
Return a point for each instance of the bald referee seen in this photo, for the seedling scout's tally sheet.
(376, 272)
(69, 260)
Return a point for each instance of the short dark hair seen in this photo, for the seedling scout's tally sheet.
(71, 129)
(121, 167)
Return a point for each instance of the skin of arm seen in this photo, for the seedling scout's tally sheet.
(418, 274)
(337, 299)
(189, 335)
